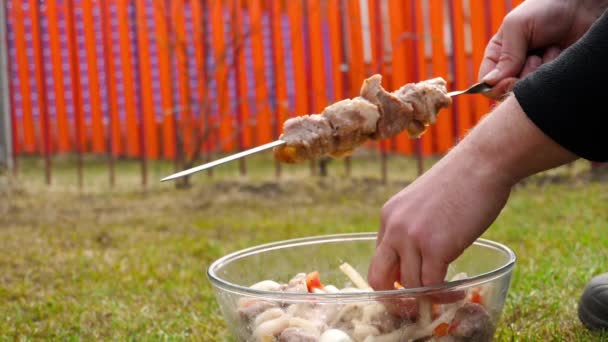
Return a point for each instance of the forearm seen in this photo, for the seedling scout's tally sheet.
(506, 147)
(566, 98)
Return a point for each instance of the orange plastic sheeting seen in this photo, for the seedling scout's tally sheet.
(63, 133)
(15, 139)
(282, 105)
(319, 96)
(46, 144)
(375, 30)
(294, 11)
(27, 121)
(332, 14)
(147, 101)
(401, 58)
(199, 52)
(262, 103)
(184, 113)
(318, 90)
(202, 132)
(444, 138)
(498, 10)
(356, 64)
(163, 43)
(407, 63)
(128, 80)
(462, 78)
(376, 65)
(112, 94)
(240, 39)
(226, 127)
(97, 137)
(74, 56)
(426, 141)
(481, 105)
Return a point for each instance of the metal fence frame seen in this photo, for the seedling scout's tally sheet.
(6, 139)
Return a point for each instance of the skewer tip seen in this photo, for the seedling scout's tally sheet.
(168, 178)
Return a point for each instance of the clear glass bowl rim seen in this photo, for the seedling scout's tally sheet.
(350, 296)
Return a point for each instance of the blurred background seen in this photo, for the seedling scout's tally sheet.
(100, 99)
(185, 81)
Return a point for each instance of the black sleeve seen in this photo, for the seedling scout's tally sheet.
(565, 98)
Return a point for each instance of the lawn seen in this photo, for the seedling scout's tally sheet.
(126, 264)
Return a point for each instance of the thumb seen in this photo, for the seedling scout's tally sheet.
(512, 53)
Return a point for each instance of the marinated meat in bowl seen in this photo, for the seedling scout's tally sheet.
(312, 289)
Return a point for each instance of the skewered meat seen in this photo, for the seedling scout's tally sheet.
(427, 98)
(308, 136)
(395, 115)
(376, 114)
(353, 122)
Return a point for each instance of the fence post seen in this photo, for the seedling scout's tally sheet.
(6, 137)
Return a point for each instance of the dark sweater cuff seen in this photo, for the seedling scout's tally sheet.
(567, 98)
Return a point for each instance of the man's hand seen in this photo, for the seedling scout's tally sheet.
(430, 223)
(548, 26)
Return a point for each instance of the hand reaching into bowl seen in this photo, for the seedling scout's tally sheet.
(428, 224)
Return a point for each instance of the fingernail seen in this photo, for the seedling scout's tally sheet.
(492, 76)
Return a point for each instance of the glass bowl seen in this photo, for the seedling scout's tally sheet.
(273, 292)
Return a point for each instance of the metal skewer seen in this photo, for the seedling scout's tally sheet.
(225, 160)
(475, 89)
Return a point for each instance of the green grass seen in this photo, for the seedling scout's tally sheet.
(125, 264)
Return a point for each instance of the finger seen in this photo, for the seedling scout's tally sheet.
(384, 268)
(491, 55)
(433, 273)
(502, 88)
(513, 52)
(433, 270)
(384, 214)
(532, 63)
(410, 277)
(551, 54)
(410, 266)
(380, 235)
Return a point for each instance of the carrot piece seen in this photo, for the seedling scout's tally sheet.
(397, 285)
(313, 281)
(441, 330)
(476, 297)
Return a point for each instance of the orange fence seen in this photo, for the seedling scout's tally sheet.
(156, 78)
